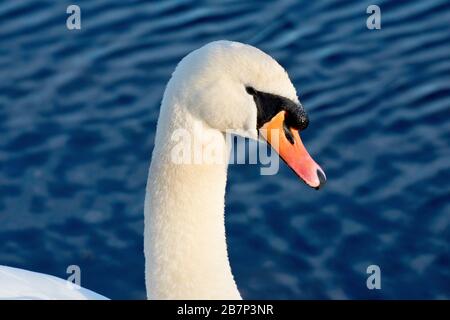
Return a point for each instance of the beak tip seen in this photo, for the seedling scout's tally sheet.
(322, 179)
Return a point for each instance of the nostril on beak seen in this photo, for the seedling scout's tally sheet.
(322, 179)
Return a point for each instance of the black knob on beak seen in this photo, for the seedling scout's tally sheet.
(297, 118)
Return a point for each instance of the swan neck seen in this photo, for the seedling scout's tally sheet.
(185, 243)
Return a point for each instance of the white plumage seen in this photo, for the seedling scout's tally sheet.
(184, 241)
(22, 284)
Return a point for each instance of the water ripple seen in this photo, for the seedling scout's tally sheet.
(78, 112)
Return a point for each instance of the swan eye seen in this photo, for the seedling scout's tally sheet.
(250, 90)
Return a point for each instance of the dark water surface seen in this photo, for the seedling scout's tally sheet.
(77, 120)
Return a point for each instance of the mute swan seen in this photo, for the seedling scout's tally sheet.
(223, 86)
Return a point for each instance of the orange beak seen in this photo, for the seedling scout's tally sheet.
(286, 141)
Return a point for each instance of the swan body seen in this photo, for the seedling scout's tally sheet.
(22, 284)
(220, 88)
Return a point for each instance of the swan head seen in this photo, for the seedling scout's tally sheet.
(234, 87)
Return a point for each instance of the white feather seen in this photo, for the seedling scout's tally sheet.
(185, 245)
(19, 284)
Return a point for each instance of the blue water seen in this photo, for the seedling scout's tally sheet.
(78, 111)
